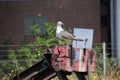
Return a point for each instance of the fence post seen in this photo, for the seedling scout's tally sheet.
(104, 60)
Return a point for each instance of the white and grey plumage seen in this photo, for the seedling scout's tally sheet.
(64, 34)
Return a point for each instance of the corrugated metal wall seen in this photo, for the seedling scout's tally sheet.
(78, 13)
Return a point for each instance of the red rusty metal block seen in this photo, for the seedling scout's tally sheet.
(93, 61)
(67, 63)
(56, 51)
(79, 65)
(78, 62)
(55, 65)
(86, 57)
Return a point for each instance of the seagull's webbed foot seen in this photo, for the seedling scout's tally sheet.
(80, 39)
(86, 39)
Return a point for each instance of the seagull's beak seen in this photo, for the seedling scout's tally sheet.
(62, 23)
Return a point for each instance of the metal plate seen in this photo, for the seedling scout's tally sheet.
(83, 34)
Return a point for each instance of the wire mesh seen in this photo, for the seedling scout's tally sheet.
(10, 67)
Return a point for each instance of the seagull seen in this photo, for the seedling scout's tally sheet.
(61, 33)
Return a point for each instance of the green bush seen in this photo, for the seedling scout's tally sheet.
(32, 52)
(112, 70)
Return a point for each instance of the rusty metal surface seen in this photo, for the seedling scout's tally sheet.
(41, 70)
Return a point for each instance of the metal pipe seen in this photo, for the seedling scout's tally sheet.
(112, 25)
(104, 60)
(117, 23)
(80, 75)
(61, 75)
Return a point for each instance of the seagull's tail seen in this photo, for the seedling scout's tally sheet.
(78, 39)
(81, 39)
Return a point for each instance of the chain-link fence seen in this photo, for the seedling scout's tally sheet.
(12, 63)
(107, 63)
(9, 68)
(17, 58)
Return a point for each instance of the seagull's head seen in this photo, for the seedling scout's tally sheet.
(59, 23)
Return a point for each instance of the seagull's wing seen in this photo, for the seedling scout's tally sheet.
(67, 35)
